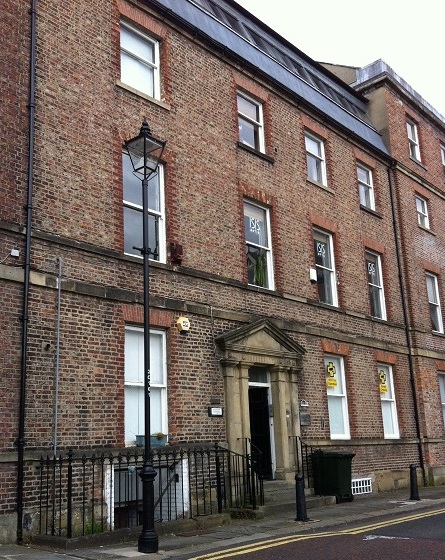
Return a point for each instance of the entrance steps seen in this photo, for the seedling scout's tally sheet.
(280, 495)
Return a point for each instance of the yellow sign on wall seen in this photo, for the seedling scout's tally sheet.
(331, 380)
(383, 385)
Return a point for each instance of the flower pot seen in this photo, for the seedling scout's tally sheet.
(155, 441)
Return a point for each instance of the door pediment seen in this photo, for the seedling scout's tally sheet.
(261, 342)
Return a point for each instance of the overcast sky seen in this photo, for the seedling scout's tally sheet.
(407, 35)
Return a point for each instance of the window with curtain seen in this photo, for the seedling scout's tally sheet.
(365, 187)
(139, 61)
(250, 122)
(413, 139)
(337, 398)
(315, 159)
(434, 302)
(388, 402)
(134, 383)
(422, 212)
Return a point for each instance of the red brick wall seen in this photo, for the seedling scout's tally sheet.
(82, 116)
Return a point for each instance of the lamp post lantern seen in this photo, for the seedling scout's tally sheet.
(145, 152)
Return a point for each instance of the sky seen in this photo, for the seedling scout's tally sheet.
(407, 35)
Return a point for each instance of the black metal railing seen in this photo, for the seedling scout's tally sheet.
(81, 494)
(303, 455)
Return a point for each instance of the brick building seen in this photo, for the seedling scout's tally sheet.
(281, 228)
(414, 132)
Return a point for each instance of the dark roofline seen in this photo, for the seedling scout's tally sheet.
(368, 133)
(297, 51)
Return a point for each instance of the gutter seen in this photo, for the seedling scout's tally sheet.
(412, 376)
(26, 284)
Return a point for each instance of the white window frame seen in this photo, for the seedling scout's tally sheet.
(131, 207)
(365, 186)
(441, 379)
(434, 302)
(413, 139)
(337, 396)
(256, 124)
(375, 283)
(142, 66)
(325, 271)
(315, 159)
(388, 402)
(422, 212)
(134, 379)
(265, 247)
(442, 153)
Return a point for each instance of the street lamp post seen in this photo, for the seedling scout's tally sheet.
(145, 152)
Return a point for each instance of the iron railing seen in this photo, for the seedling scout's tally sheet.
(303, 454)
(81, 494)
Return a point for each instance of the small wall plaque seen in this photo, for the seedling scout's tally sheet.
(305, 419)
(215, 411)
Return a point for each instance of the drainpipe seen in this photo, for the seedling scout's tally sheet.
(406, 324)
(56, 381)
(22, 403)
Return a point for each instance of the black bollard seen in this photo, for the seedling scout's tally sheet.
(413, 483)
(301, 499)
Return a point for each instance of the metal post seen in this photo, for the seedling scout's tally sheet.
(148, 539)
(69, 519)
(413, 483)
(300, 498)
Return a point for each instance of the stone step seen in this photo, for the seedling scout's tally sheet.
(280, 495)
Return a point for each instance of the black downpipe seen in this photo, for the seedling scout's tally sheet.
(406, 324)
(22, 404)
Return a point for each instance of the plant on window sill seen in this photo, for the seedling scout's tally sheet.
(259, 277)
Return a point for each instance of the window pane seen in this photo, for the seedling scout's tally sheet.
(324, 285)
(134, 412)
(322, 251)
(258, 374)
(336, 418)
(157, 358)
(365, 196)
(435, 321)
(139, 46)
(363, 175)
(133, 233)
(257, 273)
(314, 169)
(375, 301)
(137, 74)
(132, 186)
(313, 146)
(255, 225)
(134, 357)
(155, 410)
(248, 108)
(248, 133)
(431, 288)
(387, 416)
(372, 269)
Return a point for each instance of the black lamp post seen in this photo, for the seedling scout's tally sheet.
(145, 151)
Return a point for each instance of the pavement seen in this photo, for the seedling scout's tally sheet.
(184, 540)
